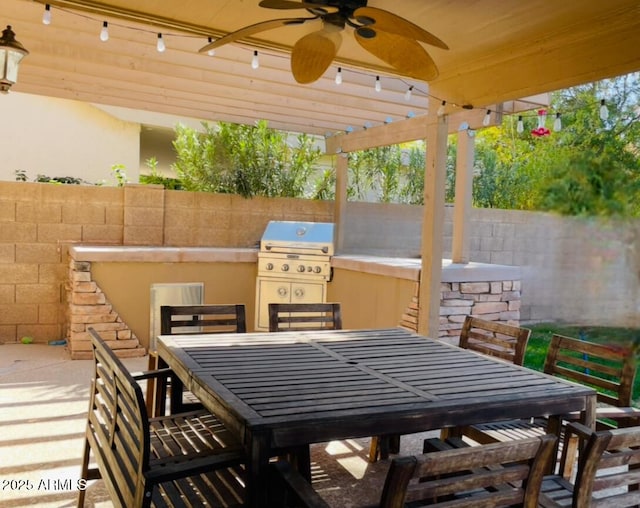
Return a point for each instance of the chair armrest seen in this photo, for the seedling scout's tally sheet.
(287, 484)
(152, 374)
(617, 412)
(611, 412)
(580, 430)
(182, 466)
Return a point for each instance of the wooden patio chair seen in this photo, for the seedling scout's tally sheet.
(300, 317)
(492, 338)
(179, 460)
(494, 475)
(304, 316)
(609, 369)
(500, 340)
(607, 474)
(185, 319)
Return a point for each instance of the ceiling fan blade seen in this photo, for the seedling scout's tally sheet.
(250, 30)
(388, 22)
(312, 54)
(290, 4)
(407, 56)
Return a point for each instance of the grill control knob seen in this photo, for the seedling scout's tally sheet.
(309, 269)
(317, 269)
(285, 268)
(269, 266)
(301, 268)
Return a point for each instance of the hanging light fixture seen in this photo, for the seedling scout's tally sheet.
(407, 94)
(487, 118)
(104, 33)
(160, 45)
(211, 52)
(11, 52)
(46, 15)
(604, 111)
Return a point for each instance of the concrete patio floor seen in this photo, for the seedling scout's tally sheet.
(43, 404)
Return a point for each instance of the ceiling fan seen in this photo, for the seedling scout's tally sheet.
(391, 38)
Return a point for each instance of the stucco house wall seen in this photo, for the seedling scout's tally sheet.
(58, 138)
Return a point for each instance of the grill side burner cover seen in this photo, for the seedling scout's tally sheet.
(293, 236)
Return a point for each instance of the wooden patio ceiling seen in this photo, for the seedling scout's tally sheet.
(499, 51)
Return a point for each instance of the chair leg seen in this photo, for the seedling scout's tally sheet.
(394, 443)
(86, 473)
(156, 389)
(374, 448)
(84, 470)
(151, 386)
(380, 447)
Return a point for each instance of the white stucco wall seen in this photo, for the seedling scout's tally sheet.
(57, 137)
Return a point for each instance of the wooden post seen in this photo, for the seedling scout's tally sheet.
(340, 203)
(432, 227)
(463, 197)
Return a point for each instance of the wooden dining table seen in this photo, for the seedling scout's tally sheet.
(290, 389)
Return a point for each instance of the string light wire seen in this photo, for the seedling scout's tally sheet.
(412, 89)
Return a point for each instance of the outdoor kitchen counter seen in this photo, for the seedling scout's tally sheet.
(96, 253)
(409, 268)
(401, 268)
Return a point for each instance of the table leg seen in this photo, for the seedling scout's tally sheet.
(257, 471)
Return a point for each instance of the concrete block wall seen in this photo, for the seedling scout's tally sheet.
(574, 269)
(39, 221)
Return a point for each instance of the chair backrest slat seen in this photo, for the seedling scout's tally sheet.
(493, 338)
(185, 319)
(498, 474)
(609, 369)
(304, 316)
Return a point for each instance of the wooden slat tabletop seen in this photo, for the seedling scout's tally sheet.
(295, 388)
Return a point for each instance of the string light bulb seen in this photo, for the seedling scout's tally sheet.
(339, 76)
(160, 45)
(407, 94)
(520, 125)
(378, 84)
(557, 123)
(211, 52)
(487, 118)
(46, 16)
(255, 61)
(604, 111)
(104, 33)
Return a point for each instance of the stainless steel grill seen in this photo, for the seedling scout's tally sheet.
(294, 265)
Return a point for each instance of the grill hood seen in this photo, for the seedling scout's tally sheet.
(298, 237)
